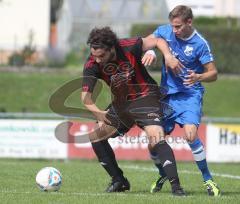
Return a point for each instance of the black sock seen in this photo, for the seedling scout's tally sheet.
(154, 156)
(106, 157)
(111, 154)
(168, 162)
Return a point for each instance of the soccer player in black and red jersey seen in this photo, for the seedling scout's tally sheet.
(136, 100)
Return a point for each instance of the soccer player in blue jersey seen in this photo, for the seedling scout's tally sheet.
(184, 88)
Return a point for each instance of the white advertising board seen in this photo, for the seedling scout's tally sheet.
(30, 139)
(223, 143)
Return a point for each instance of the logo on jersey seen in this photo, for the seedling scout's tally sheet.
(188, 50)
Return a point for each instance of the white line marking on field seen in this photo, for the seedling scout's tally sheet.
(180, 171)
(74, 193)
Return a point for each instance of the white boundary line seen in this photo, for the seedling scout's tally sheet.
(150, 169)
(73, 193)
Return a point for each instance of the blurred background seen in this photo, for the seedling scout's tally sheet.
(43, 46)
(53, 33)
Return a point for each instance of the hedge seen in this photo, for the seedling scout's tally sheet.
(222, 34)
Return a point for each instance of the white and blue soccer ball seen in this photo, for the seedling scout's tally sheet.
(49, 179)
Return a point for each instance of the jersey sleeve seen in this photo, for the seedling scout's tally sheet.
(161, 31)
(137, 48)
(90, 77)
(205, 54)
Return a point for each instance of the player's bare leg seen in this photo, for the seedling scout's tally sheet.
(99, 133)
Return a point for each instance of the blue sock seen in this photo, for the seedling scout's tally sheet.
(200, 158)
(156, 160)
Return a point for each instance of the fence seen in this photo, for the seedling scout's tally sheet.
(33, 135)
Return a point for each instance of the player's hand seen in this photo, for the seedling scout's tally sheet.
(191, 78)
(174, 64)
(148, 58)
(101, 117)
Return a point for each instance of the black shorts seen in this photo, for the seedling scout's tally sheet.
(143, 111)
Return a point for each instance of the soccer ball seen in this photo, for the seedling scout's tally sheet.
(49, 179)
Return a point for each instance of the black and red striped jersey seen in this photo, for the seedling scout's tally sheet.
(127, 76)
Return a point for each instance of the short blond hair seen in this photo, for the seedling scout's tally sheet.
(184, 12)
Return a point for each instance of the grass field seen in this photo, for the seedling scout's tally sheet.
(31, 91)
(85, 181)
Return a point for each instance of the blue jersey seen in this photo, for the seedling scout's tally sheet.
(192, 52)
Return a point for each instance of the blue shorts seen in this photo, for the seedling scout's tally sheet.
(187, 107)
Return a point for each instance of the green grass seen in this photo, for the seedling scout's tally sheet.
(222, 98)
(85, 181)
(32, 91)
(28, 90)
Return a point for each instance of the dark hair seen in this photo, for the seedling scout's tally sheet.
(184, 12)
(103, 38)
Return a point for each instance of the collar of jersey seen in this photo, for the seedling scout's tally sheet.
(193, 33)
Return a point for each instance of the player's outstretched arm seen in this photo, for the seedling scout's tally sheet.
(170, 61)
(91, 106)
(102, 130)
